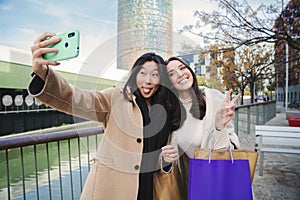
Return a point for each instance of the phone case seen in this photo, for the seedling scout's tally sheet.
(68, 47)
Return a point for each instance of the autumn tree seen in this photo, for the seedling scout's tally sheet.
(226, 61)
(257, 62)
(232, 74)
(214, 80)
(244, 67)
(238, 25)
(216, 83)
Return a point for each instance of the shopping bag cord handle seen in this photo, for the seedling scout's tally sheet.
(230, 153)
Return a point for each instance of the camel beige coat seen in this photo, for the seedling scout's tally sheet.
(115, 172)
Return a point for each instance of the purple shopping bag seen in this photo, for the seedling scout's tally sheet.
(219, 179)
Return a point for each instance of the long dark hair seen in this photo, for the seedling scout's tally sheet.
(163, 96)
(198, 108)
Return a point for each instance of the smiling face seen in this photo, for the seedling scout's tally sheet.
(180, 76)
(148, 78)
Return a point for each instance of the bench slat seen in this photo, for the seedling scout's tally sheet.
(279, 141)
(278, 134)
(277, 128)
(280, 150)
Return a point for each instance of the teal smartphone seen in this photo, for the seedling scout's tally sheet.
(68, 47)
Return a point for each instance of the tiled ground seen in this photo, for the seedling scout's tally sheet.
(281, 172)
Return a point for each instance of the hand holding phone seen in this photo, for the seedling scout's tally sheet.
(68, 47)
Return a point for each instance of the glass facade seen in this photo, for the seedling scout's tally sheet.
(143, 26)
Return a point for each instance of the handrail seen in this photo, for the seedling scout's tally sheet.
(249, 115)
(27, 140)
(254, 104)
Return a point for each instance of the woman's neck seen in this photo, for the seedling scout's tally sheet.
(185, 94)
(148, 102)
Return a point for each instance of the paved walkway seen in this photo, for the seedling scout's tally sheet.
(281, 172)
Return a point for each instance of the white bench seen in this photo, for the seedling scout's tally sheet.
(276, 139)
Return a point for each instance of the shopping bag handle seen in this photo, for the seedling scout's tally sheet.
(213, 141)
(210, 150)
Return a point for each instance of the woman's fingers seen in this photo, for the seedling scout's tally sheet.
(43, 37)
(235, 98)
(169, 149)
(38, 52)
(43, 41)
(169, 153)
(227, 97)
(226, 112)
(40, 47)
(230, 106)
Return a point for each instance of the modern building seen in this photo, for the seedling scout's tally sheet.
(143, 26)
(288, 22)
(196, 59)
(200, 61)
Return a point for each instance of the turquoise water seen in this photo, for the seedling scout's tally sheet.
(55, 187)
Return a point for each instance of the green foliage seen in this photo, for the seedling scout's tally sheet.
(201, 80)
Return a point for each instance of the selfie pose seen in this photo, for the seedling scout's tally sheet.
(208, 118)
(137, 117)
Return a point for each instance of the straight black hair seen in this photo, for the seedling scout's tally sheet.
(130, 86)
(163, 96)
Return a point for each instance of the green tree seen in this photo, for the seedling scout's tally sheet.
(201, 80)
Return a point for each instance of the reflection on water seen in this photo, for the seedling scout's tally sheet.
(55, 187)
(66, 161)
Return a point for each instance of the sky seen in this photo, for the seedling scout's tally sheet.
(22, 21)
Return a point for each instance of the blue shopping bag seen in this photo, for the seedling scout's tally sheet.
(219, 180)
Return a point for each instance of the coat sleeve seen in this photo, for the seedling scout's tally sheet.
(60, 95)
(227, 135)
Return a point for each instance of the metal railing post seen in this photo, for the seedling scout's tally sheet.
(264, 114)
(236, 121)
(7, 173)
(257, 114)
(248, 120)
(23, 173)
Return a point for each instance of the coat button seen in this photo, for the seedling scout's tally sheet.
(136, 167)
(139, 140)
